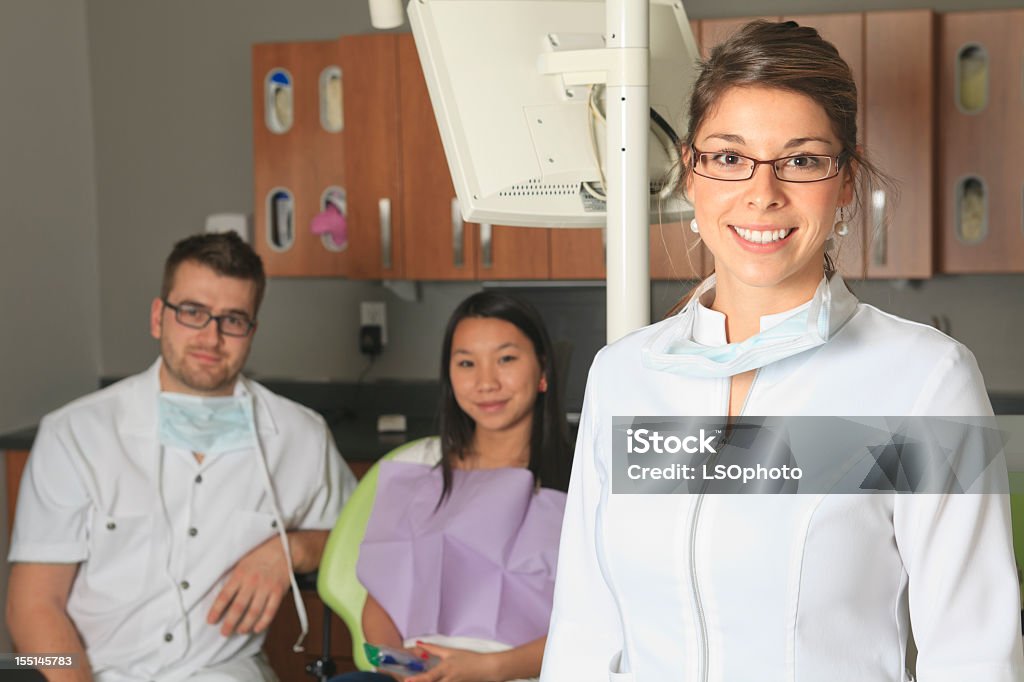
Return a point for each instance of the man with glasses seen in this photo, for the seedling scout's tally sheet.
(161, 520)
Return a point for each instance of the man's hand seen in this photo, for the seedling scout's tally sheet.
(253, 591)
(457, 665)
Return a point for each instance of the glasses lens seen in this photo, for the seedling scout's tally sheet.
(804, 168)
(725, 166)
(191, 316)
(234, 325)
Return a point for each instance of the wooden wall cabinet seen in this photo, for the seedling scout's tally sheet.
(362, 158)
(981, 116)
(390, 147)
(899, 132)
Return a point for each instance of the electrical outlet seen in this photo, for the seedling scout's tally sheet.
(375, 314)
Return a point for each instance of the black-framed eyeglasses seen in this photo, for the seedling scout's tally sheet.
(733, 167)
(195, 317)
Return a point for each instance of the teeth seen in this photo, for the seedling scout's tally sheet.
(762, 236)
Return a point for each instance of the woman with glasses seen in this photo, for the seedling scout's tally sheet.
(706, 587)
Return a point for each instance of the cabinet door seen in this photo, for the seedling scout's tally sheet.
(578, 253)
(511, 253)
(298, 156)
(846, 32)
(981, 116)
(438, 244)
(371, 155)
(289, 178)
(899, 132)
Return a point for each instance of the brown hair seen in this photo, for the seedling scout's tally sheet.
(224, 253)
(789, 57)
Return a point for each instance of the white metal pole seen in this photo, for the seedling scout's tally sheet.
(627, 110)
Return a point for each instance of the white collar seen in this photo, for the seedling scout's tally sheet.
(694, 342)
(709, 325)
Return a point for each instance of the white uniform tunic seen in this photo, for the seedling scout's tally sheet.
(796, 588)
(157, 532)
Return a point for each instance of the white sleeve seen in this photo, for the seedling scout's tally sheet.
(53, 514)
(335, 486)
(958, 552)
(585, 631)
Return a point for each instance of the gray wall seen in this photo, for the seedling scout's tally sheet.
(49, 348)
(49, 299)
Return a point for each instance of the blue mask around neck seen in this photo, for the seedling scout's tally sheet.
(810, 325)
(210, 426)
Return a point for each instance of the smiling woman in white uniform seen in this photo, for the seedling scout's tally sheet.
(784, 587)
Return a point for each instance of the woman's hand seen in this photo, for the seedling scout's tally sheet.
(457, 665)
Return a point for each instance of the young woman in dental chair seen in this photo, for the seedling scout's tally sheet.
(460, 551)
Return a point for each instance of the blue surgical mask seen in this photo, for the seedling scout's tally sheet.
(810, 325)
(210, 426)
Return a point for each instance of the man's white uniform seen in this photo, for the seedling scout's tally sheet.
(156, 531)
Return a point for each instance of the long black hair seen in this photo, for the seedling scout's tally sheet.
(550, 451)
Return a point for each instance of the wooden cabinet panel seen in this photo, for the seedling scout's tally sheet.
(284, 160)
(361, 158)
(985, 144)
(371, 155)
(512, 252)
(899, 132)
(578, 254)
(289, 665)
(429, 231)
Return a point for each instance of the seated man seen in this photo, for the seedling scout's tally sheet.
(160, 519)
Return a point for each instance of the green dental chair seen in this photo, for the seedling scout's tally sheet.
(337, 584)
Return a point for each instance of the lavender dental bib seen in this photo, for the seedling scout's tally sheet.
(482, 565)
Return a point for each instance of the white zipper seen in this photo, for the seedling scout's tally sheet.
(702, 628)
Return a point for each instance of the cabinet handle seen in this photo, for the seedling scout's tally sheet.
(384, 208)
(459, 256)
(879, 233)
(486, 246)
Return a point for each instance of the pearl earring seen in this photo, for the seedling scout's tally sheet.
(841, 228)
(693, 226)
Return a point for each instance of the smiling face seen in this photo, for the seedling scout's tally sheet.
(763, 232)
(202, 361)
(495, 374)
